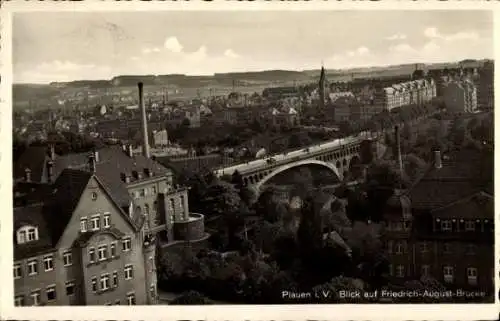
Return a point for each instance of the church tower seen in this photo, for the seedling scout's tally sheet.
(321, 87)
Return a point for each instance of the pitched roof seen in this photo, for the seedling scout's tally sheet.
(34, 158)
(111, 163)
(478, 205)
(462, 174)
(32, 215)
(53, 216)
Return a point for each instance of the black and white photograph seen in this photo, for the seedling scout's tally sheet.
(252, 157)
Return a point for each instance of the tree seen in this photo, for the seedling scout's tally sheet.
(310, 231)
(221, 198)
(190, 298)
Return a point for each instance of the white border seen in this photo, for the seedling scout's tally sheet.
(232, 312)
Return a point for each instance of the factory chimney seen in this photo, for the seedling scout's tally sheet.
(144, 122)
(397, 142)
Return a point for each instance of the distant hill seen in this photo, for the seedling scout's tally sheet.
(28, 91)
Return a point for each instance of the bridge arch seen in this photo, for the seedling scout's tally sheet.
(286, 167)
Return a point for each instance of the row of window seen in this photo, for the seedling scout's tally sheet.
(50, 295)
(144, 192)
(95, 222)
(400, 247)
(48, 260)
(448, 273)
(105, 252)
(48, 265)
(50, 292)
(447, 225)
(108, 281)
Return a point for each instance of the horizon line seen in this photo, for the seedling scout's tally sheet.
(256, 71)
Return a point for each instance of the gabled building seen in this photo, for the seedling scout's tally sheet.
(443, 225)
(80, 247)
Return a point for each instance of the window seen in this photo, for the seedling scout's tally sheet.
(19, 300)
(35, 297)
(172, 204)
(146, 209)
(104, 282)
(447, 248)
(94, 284)
(446, 225)
(153, 190)
(126, 244)
(91, 255)
(470, 226)
(472, 276)
(21, 237)
(32, 267)
(389, 247)
(70, 288)
(424, 270)
(67, 258)
(83, 224)
(94, 223)
(102, 252)
(448, 274)
(142, 192)
(48, 263)
(94, 196)
(32, 234)
(106, 221)
(17, 271)
(27, 234)
(424, 247)
(51, 293)
(129, 273)
(152, 290)
(470, 249)
(115, 279)
(131, 299)
(400, 247)
(113, 249)
(400, 271)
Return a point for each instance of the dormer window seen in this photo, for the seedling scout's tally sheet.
(27, 234)
(446, 225)
(470, 226)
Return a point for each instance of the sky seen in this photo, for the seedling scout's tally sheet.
(65, 46)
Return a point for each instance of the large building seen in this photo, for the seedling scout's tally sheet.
(443, 226)
(96, 192)
(460, 97)
(80, 246)
(415, 92)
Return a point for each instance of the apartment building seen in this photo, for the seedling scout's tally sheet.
(443, 226)
(78, 245)
(460, 96)
(415, 92)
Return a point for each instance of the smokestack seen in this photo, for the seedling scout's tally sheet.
(397, 142)
(50, 171)
(52, 152)
(92, 163)
(145, 143)
(27, 175)
(437, 159)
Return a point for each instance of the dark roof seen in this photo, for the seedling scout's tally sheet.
(34, 158)
(476, 206)
(68, 189)
(112, 162)
(462, 174)
(32, 215)
(53, 216)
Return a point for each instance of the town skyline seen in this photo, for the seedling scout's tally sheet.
(105, 45)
